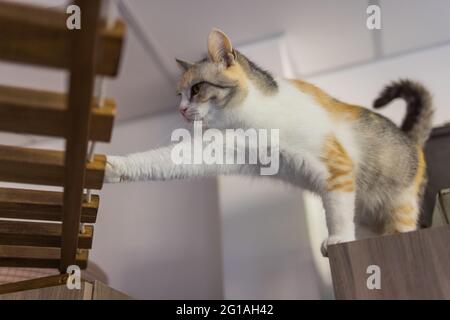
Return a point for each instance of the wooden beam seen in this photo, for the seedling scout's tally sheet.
(43, 113)
(39, 36)
(39, 234)
(32, 284)
(82, 71)
(41, 205)
(45, 167)
(37, 257)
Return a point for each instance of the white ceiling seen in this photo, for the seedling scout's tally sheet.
(320, 36)
(180, 28)
(413, 24)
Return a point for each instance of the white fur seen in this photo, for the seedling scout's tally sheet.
(304, 126)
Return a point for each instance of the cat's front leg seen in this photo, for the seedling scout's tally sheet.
(340, 212)
(159, 164)
(115, 170)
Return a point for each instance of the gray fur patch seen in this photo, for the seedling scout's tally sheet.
(262, 78)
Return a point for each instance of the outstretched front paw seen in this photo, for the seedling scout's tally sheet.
(113, 172)
(333, 240)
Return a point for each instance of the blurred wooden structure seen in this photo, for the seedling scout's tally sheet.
(52, 236)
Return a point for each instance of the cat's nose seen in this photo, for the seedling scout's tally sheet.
(183, 110)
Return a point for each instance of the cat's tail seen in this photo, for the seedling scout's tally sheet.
(417, 123)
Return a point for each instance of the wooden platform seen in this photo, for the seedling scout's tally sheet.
(414, 265)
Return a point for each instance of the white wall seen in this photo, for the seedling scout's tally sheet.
(361, 84)
(265, 241)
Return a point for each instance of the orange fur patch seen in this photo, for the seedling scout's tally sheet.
(397, 226)
(404, 209)
(404, 221)
(404, 217)
(236, 73)
(340, 166)
(337, 109)
(347, 186)
(186, 79)
(421, 167)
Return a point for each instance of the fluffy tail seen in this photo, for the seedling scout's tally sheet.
(417, 123)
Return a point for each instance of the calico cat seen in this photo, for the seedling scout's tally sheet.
(367, 171)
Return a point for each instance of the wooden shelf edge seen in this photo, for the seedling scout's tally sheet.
(39, 234)
(41, 205)
(42, 112)
(44, 167)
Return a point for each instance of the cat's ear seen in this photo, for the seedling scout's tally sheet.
(220, 49)
(184, 65)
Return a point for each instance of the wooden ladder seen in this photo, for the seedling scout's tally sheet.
(45, 230)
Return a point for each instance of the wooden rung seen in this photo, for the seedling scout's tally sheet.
(41, 205)
(43, 113)
(40, 36)
(37, 257)
(45, 167)
(39, 234)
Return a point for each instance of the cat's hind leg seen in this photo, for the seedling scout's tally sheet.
(403, 214)
(340, 212)
(339, 193)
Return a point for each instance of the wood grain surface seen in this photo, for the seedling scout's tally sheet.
(43, 113)
(37, 257)
(55, 288)
(41, 205)
(81, 87)
(414, 265)
(39, 36)
(39, 234)
(32, 284)
(44, 167)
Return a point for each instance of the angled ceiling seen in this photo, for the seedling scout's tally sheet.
(320, 36)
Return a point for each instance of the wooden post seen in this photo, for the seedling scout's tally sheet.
(82, 71)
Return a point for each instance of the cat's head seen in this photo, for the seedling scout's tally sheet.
(212, 85)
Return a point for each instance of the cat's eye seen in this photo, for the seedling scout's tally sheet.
(195, 89)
